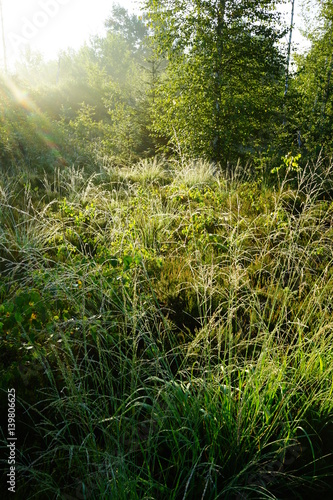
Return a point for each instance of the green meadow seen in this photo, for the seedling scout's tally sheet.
(168, 331)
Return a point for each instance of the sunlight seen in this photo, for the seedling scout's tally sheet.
(18, 95)
(43, 126)
(41, 25)
(48, 26)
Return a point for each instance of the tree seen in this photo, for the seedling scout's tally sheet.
(223, 86)
(130, 27)
(314, 82)
(129, 102)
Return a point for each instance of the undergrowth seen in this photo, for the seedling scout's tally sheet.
(168, 331)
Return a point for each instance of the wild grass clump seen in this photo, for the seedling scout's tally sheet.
(177, 333)
(195, 173)
(149, 171)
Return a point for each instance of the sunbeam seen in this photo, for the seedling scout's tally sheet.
(40, 124)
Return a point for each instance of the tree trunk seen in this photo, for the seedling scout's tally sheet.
(218, 76)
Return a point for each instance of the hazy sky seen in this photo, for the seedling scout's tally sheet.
(51, 25)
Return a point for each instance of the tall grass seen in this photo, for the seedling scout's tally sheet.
(182, 345)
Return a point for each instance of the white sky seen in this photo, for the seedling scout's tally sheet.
(53, 25)
(49, 26)
(297, 38)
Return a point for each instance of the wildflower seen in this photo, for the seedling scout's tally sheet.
(79, 283)
(33, 316)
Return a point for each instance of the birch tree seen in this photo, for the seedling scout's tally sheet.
(223, 86)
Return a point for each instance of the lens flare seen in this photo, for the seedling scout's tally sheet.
(41, 125)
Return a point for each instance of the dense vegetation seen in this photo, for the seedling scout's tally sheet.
(166, 260)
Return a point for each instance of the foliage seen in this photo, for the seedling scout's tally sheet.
(222, 89)
(175, 325)
(312, 86)
(27, 137)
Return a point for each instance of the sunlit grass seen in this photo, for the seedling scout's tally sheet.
(176, 326)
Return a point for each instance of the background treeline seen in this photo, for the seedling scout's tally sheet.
(200, 79)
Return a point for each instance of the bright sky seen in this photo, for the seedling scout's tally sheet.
(52, 25)
(297, 38)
